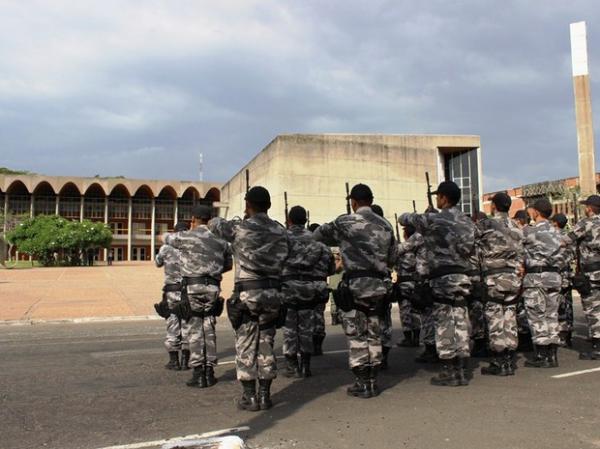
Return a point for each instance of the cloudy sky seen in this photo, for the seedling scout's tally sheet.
(139, 88)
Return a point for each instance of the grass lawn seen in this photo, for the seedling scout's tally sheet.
(20, 264)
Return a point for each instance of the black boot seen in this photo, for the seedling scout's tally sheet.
(318, 344)
(594, 354)
(497, 366)
(562, 335)
(210, 376)
(305, 365)
(552, 355)
(248, 400)
(429, 355)
(173, 361)
(463, 370)
(361, 387)
(479, 348)
(185, 359)
(198, 379)
(510, 362)
(292, 369)
(264, 394)
(525, 343)
(416, 334)
(408, 340)
(373, 372)
(384, 357)
(447, 377)
(569, 339)
(540, 357)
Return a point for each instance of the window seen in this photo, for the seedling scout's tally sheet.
(462, 168)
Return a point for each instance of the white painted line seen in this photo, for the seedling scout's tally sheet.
(576, 373)
(187, 437)
(107, 319)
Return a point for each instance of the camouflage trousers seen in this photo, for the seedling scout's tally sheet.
(320, 320)
(177, 330)
(410, 319)
(565, 311)
(298, 331)
(255, 358)
(364, 335)
(386, 328)
(542, 314)
(451, 331)
(477, 316)
(428, 326)
(502, 325)
(522, 323)
(203, 341)
(591, 310)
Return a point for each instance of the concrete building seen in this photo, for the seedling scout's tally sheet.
(313, 169)
(137, 210)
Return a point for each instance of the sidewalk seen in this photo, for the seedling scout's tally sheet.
(127, 289)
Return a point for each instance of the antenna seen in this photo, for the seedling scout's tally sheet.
(201, 164)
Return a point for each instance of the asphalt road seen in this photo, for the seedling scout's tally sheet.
(88, 386)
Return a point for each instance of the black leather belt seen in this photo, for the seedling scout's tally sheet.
(303, 278)
(257, 284)
(472, 273)
(172, 288)
(201, 280)
(447, 270)
(349, 275)
(539, 270)
(406, 278)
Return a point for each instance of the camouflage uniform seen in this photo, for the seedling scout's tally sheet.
(501, 245)
(475, 302)
(366, 243)
(177, 330)
(300, 287)
(324, 268)
(542, 282)
(260, 247)
(204, 256)
(449, 240)
(587, 233)
(565, 304)
(406, 271)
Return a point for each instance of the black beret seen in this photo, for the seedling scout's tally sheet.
(297, 215)
(543, 206)
(181, 226)
(502, 201)
(361, 192)
(258, 195)
(592, 200)
(202, 211)
(450, 190)
(377, 209)
(521, 215)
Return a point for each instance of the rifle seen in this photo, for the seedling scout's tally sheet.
(429, 195)
(348, 209)
(286, 209)
(577, 250)
(307, 218)
(414, 207)
(397, 227)
(247, 180)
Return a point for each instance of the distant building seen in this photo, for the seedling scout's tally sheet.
(137, 210)
(559, 192)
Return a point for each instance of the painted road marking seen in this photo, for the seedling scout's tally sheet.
(214, 433)
(576, 373)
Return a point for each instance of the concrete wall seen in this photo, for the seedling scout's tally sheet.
(313, 170)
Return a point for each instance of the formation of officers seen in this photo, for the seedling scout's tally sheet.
(466, 285)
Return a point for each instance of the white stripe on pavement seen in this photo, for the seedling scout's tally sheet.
(214, 433)
(576, 373)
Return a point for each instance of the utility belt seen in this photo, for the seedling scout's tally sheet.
(201, 280)
(238, 314)
(450, 302)
(257, 284)
(446, 270)
(349, 275)
(588, 268)
(303, 278)
(502, 270)
(405, 278)
(344, 300)
(473, 273)
(172, 287)
(542, 269)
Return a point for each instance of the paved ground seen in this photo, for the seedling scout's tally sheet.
(88, 386)
(124, 289)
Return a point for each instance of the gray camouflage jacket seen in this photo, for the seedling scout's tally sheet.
(169, 258)
(542, 249)
(587, 233)
(500, 242)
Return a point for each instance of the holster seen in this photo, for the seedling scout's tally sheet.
(422, 297)
(182, 308)
(162, 308)
(582, 284)
(235, 311)
(342, 296)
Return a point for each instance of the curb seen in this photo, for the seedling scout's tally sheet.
(34, 321)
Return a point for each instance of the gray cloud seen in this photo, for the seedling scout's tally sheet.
(120, 88)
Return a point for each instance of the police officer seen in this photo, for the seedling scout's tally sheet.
(169, 258)
(321, 272)
(260, 247)
(542, 284)
(368, 250)
(204, 258)
(449, 238)
(304, 286)
(585, 236)
(501, 248)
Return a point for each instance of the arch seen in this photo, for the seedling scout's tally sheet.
(213, 195)
(17, 187)
(191, 193)
(120, 191)
(69, 189)
(44, 189)
(167, 192)
(95, 190)
(144, 191)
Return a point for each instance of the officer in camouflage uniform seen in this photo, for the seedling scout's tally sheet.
(542, 284)
(449, 238)
(565, 307)
(521, 220)
(177, 329)
(304, 285)
(406, 278)
(586, 237)
(368, 251)
(319, 333)
(501, 247)
(475, 300)
(260, 247)
(204, 258)
(334, 281)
